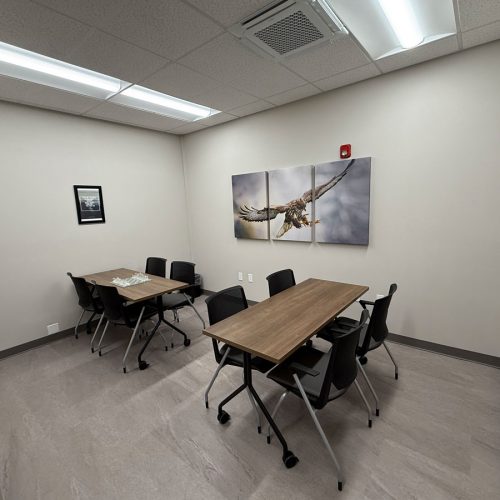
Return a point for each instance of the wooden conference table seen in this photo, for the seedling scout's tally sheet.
(138, 293)
(276, 327)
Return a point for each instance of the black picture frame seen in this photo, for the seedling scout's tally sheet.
(89, 204)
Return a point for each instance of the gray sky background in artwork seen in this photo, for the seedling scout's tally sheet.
(250, 190)
(344, 211)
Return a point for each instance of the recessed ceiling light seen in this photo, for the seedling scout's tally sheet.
(162, 104)
(386, 27)
(25, 65)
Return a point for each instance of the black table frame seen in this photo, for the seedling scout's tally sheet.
(161, 319)
(289, 459)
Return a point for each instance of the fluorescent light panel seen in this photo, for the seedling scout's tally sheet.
(25, 65)
(386, 27)
(155, 102)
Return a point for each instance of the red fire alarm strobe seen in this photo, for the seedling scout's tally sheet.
(345, 151)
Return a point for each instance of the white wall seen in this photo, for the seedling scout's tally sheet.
(433, 133)
(42, 155)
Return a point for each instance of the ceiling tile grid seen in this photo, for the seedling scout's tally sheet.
(182, 48)
(348, 77)
(227, 60)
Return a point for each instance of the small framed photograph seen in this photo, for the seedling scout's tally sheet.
(89, 205)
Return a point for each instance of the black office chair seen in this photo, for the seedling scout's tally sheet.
(220, 306)
(320, 377)
(372, 336)
(156, 266)
(89, 302)
(279, 281)
(118, 312)
(181, 271)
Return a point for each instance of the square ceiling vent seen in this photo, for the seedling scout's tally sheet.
(288, 27)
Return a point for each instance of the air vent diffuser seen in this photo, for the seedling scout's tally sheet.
(288, 27)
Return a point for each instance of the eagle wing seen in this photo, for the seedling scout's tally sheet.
(253, 214)
(321, 190)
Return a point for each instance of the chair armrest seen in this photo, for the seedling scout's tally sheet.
(364, 303)
(298, 367)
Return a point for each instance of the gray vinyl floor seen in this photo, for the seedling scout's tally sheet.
(73, 426)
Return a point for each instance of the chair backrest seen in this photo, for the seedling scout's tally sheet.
(223, 304)
(83, 291)
(112, 302)
(279, 281)
(377, 328)
(156, 266)
(183, 271)
(342, 367)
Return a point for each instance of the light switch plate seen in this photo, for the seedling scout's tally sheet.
(240, 276)
(250, 278)
(53, 328)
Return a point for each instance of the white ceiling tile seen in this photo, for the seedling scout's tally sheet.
(227, 60)
(216, 119)
(109, 55)
(45, 97)
(481, 35)
(228, 13)
(223, 98)
(294, 94)
(327, 59)
(187, 129)
(419, 54)
(475, 13)
(36, 28)
(168, 28)
(250, 109)
(348, 77)
(91, 12)
(130, 116)
(179, 81)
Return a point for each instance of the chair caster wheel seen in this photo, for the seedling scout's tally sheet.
(124, 370)
(363, 360)
(143, 365)
(268, 439)
(92, 350)
(339, 485)
(100, 353)
(166, 348)
(76, 337)
(172, 345)
(223, 417)
(396, 376)
(187, 342)
(206, 405)
(377, 412)
(290, 460)
(369, 423)
(259, 429)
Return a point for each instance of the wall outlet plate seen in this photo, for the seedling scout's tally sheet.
(240, 276)
(53, 328)
(250, 278)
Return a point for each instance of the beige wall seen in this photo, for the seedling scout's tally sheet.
(433, 133)
(42, 154)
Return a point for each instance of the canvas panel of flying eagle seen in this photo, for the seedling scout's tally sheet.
(289, 211)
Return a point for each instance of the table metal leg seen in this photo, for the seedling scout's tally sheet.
(289, 459)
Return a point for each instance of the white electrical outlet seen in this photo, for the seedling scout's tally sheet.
(240, 276)
(53, 328)
(250, 278)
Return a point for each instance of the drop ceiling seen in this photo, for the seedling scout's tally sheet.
(183, 48)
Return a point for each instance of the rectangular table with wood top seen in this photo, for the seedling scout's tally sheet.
(276, 327)
(155, 288)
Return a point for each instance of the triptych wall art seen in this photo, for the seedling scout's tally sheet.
(327, 203)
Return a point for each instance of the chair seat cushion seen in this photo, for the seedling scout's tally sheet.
(235, 358)
(313, 359)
